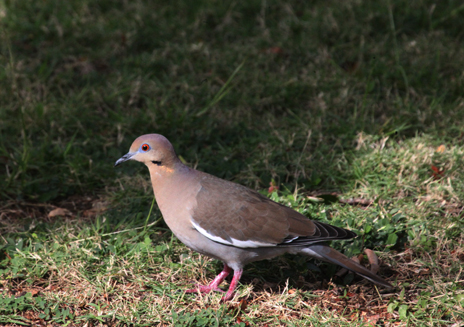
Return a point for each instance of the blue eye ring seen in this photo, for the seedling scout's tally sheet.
(145, 147)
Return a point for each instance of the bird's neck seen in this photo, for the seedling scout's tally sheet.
(166, 178)
(174, 187)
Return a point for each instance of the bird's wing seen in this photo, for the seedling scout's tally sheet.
(232, 214)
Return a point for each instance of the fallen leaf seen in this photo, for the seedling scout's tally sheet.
(373, 260)
(59, 212)
(51, 287)
(424, 272)
(243, 304)
(441, 148)
(98, 208)
(372, 320)
(34, 291)
(274, 50)
(350, 66)
(437, 172)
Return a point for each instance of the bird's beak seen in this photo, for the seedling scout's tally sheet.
(125, 157)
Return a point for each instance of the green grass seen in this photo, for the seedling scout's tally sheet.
(351, 100)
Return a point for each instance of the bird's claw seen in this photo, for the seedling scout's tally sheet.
(204, 289)
(227, 297)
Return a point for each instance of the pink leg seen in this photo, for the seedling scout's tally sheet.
(214, 285)
(233, 285)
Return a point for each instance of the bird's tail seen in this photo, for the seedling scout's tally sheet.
(326, 253)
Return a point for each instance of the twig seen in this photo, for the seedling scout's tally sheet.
(373, 260)
(121, 231)
(355, 201)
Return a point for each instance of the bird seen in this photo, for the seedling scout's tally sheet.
(230, 222)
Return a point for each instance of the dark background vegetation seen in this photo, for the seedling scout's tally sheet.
(357, 99)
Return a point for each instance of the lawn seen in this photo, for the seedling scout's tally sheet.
(354, 110)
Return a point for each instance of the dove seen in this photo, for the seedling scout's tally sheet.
(230, 222)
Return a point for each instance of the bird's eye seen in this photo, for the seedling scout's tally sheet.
(145, 147)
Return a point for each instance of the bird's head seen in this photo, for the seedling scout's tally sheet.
(151, 149)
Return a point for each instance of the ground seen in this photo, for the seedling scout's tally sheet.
(351, 113)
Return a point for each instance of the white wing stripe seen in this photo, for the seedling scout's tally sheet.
(237, 243)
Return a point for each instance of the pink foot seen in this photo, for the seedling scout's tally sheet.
(214, 285)
(233, 284)
(204, 289)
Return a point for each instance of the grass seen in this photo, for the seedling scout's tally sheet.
(354, 109)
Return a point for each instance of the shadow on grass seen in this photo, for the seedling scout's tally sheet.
(323, 90)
